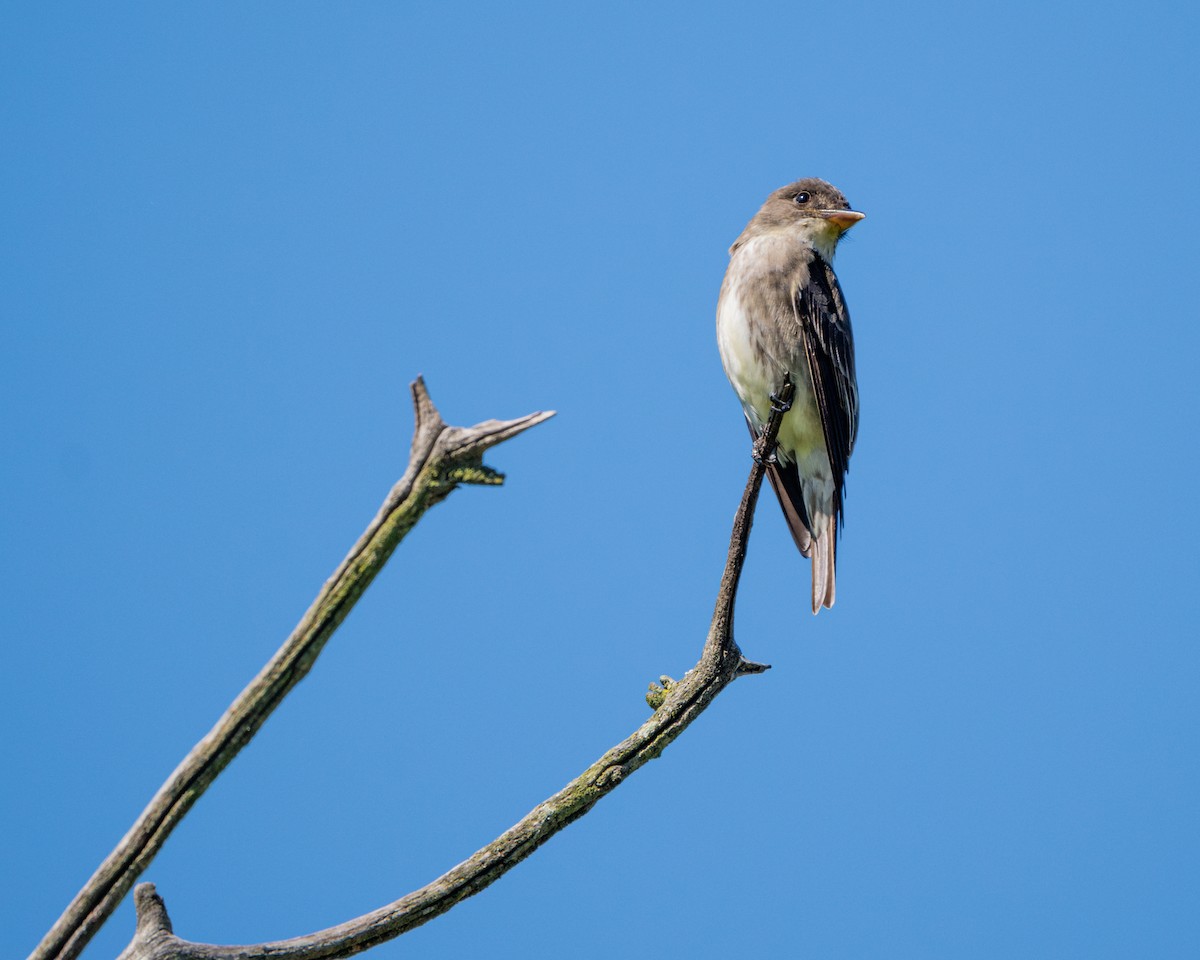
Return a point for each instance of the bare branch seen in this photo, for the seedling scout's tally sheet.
(441, 458)
(677, 705)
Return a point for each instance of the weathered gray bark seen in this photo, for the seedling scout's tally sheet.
(676, 705)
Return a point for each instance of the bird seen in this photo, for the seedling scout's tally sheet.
(781, 316)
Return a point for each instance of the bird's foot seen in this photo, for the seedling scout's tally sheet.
(757, 453)
(778, 405)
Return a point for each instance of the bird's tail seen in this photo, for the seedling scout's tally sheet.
(822, 549)
(824, 563)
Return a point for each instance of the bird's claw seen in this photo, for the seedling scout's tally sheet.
(757, 454)
(778, 405)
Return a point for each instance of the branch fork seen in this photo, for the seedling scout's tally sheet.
(441, 458)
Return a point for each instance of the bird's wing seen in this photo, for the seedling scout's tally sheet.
(829, 347)
(785, 479)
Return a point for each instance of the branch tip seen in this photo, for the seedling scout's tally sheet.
(473, 441)
(504, 429)
(151, 911)
(425, 412)
(746, 667)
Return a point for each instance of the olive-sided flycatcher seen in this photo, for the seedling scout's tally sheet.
(781, 313)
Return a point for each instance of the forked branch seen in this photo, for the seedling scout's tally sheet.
(441, 458)
(677, 705)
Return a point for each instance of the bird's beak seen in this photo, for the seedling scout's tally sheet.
(842, 219)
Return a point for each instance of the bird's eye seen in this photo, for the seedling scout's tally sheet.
(801, 198)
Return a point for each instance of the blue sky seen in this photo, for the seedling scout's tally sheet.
(233, 234)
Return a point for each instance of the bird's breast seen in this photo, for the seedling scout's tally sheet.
(759, 338)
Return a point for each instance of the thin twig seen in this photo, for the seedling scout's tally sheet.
(441, 457)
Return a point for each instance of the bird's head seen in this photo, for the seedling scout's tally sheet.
(810, 203)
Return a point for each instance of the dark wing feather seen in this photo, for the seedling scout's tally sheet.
(785, 480)
(829, 347)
